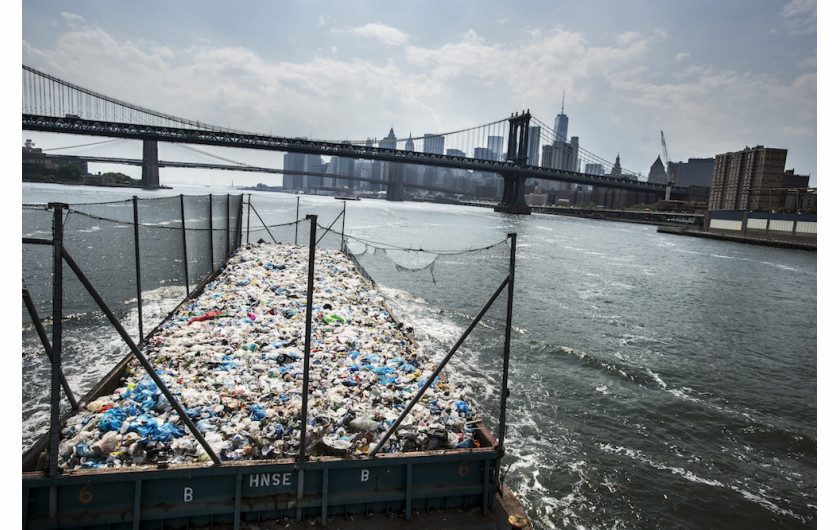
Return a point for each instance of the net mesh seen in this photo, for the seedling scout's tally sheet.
(439, 294)
(283, 220)
(100, 239)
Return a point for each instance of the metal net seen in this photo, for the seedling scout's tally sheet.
(165, 246)
(439, 294)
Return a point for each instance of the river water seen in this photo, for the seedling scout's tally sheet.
(657, 381)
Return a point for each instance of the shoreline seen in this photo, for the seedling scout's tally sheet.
(768, 242)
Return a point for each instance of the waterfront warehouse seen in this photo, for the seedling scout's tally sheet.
(233, 358)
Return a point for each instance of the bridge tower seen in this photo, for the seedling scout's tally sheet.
(513, 194)
(151, 172)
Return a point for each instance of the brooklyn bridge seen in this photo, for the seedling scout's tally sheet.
(515, 149)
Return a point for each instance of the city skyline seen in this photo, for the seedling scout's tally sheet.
(336, 72)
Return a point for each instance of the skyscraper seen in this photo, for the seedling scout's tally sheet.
(411, 172)
(496, 145)
(562, 155)
(534, 145)
(561, 123)
(594, 169)
(390, 141)
(433, 143)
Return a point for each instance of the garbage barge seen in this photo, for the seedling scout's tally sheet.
(225, 445)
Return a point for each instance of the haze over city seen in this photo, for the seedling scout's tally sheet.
(714, 76)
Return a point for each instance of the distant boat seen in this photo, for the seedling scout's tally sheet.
(346, 198)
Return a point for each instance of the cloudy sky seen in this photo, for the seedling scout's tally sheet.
(714, 75)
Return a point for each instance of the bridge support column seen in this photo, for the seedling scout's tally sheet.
(396, 186)
(151, 172)
(513, 196)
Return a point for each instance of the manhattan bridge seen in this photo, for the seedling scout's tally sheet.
(514, 149)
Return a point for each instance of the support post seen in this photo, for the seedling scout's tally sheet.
(343, 221)
(184, 238)
(297, 218)
(506, 361)
(248, 224)
(310, 287)
(58, 296)
(212, 265)
(227, 226)
(238, 237)
(137, 268)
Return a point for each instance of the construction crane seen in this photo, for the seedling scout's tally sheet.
(669, 175)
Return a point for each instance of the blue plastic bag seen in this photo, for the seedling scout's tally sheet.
(112, 419)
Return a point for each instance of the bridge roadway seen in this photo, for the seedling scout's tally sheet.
(250, 169)
(230, 138)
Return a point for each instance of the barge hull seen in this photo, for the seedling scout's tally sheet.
(190, 496)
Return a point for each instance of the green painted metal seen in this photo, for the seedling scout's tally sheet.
(191, 495)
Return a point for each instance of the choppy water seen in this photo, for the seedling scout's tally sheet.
(657, 381)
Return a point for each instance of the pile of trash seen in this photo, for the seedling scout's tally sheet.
(233, 357)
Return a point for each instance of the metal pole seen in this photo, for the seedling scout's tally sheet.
(212, 267)
(184, 233)
(58, 295)
(248, 225)
(310, 287)
(297, 218)
(343, 219)
(506, 361)
(139, 355)
(238, 237)
(137, 269)
(227, 227)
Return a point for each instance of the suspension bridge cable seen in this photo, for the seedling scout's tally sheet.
(101, 97)
(190, 148)
(104, 142)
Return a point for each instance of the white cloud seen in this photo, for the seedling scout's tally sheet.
(808, 63)
(72, 19)
(388, 35)
(681, 56)
(801, 16)
(627, 37)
